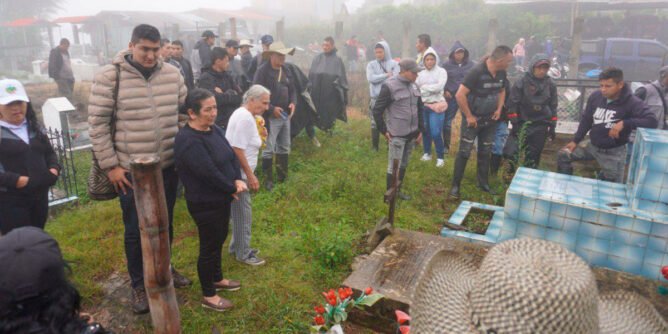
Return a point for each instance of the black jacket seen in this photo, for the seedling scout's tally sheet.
(206, 164)
(283, 92)
(20, 159)
(187, 69)
(531, 98)
(55, 63)
(229, 100)
(600, 116)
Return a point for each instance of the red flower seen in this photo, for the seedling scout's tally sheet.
(319, 320)
(402, 317)
(664, 271)
(368, 291)
(404, 329)
(330, 296)
(319, 309)
(345, 293)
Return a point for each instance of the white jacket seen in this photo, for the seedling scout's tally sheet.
(432, 82)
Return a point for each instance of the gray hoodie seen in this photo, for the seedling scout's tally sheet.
(376, 71)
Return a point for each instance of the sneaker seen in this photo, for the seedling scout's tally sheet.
(179, 280)
(426, 157)
(253, 260)
(316, 142)
(139, 301)
(440, 163)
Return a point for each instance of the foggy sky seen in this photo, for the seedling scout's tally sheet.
(92, 7)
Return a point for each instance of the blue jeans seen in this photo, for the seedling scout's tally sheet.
(500, 137)
(133, 252)
(433, 129)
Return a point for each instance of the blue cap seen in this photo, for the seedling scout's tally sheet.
(267, 39)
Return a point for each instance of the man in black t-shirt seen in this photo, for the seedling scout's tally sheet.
(480, 98)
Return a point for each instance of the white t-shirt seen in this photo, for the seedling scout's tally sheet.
(242, 133)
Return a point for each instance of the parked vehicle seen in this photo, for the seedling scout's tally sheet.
(640, 59)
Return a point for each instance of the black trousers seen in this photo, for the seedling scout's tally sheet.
(18, 212)
(213, 221)
(531, 138)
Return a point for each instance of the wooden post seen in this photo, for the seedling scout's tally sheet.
(151, 206)
(574, 61)
(280, 30)
(338, 33)
(491, 38)
(233, 28)
(221, 34)
(406, 39)
(385, 225)
(75, 34)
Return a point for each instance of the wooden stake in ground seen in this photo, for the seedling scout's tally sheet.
(385, 225)
(154, 229)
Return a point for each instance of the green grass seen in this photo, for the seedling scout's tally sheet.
(308, 229)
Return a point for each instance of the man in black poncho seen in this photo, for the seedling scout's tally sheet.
(329, 86)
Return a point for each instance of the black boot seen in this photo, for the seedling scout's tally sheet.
(375, 138)
(281, 167)
(388, 181)
(446, 141)
(460, 166)
(402, 174)
(268, 171)
(495, 164)
(483, 172)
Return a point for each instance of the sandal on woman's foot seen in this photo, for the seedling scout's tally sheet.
(221, 306)
(231, 285)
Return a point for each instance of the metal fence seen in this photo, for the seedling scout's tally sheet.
(65, 190)
(573, 95)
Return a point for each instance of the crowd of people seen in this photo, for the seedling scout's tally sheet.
(211, 118)
(420, 101)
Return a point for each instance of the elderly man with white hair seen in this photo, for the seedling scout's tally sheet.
(245, 136)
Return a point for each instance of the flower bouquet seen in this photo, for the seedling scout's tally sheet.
(330, 316)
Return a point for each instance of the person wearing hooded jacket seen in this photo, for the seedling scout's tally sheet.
(431, 82)
(218, 80)
(532, 110)
(377, 72)
(655, 95)
(458, 66)
(612, 113)
(201, 53)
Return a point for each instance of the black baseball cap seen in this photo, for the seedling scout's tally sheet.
(267, 39)
(31, 264)
(208, 33)
(232, 43)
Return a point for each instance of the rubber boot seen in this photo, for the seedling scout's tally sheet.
(268, 171)
(483, 172)
(495, 164)
(446, 141)
(460, 166)
(375, 139)
(281, 167)
(402, 174)
(388, 182)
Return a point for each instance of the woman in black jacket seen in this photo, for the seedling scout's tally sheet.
(211, 175)
(28, 164)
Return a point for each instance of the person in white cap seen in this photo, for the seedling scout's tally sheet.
(28, 163)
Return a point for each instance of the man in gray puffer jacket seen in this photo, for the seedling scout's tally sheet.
(150, 93)
(377, 72)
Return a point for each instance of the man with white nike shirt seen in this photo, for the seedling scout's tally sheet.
(611, 114)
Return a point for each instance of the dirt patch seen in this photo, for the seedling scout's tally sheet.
(478, 220)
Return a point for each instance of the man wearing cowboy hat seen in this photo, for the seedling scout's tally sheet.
(524, 286)
(275, 76)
